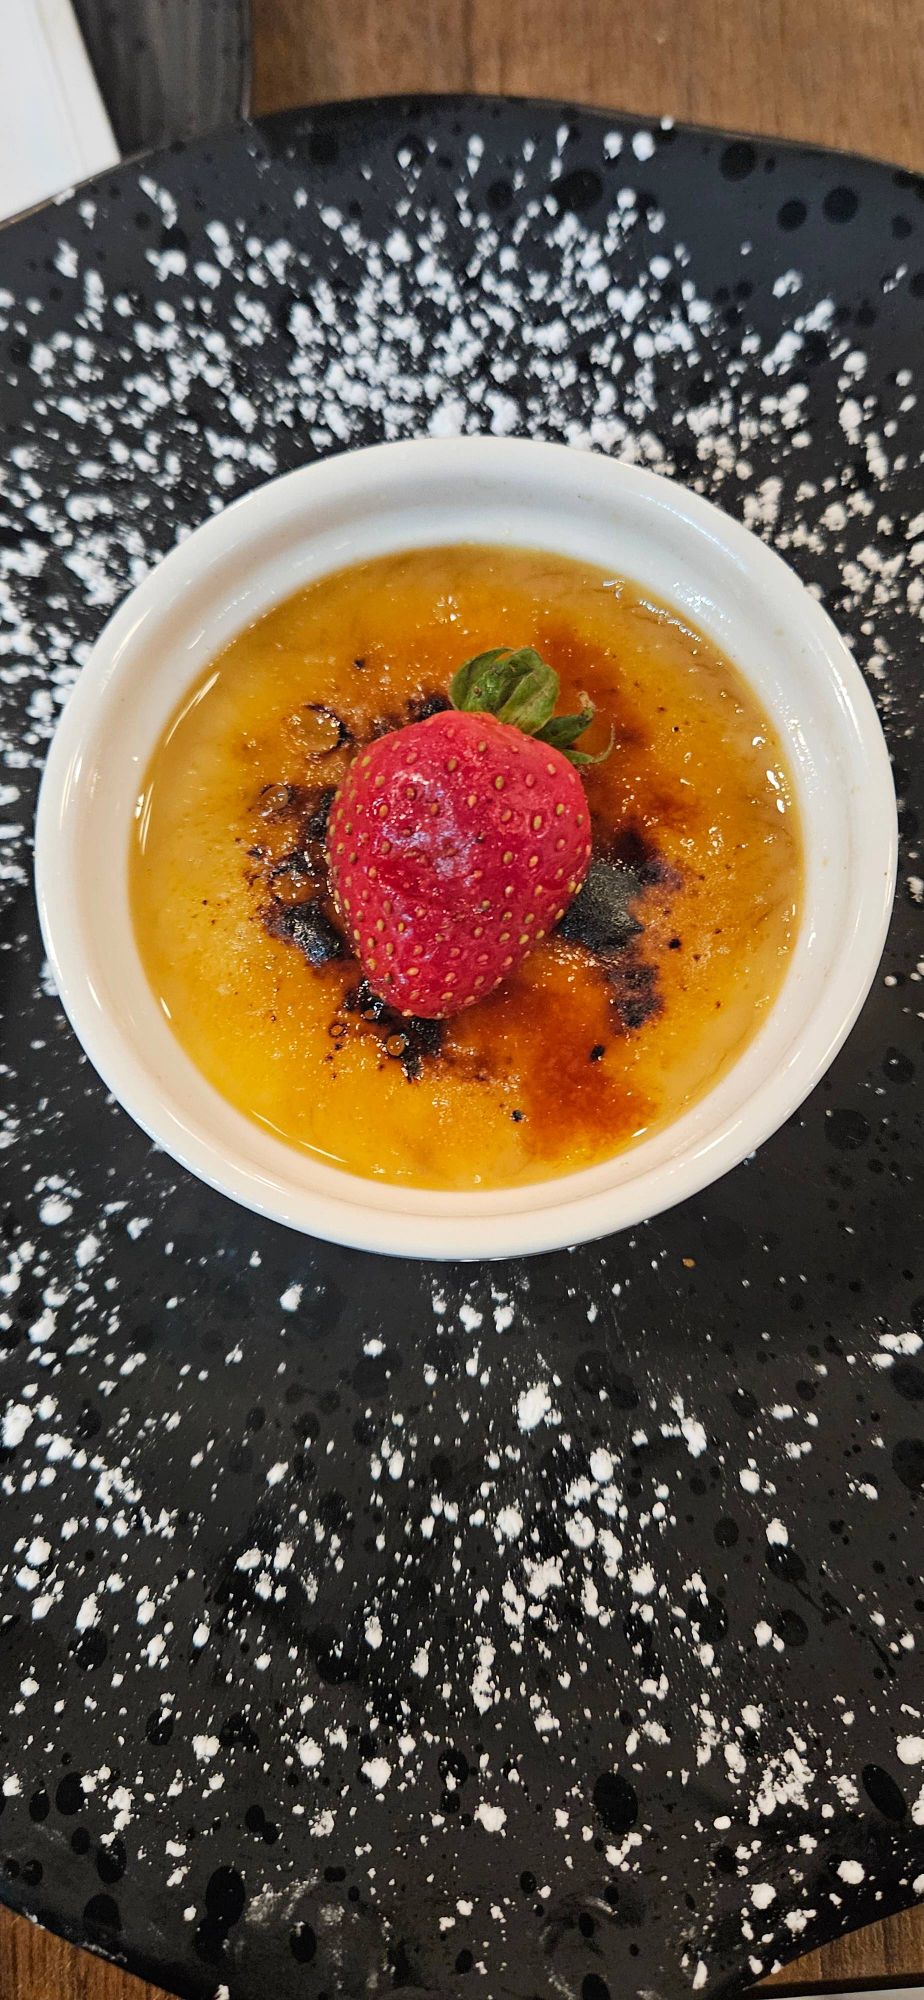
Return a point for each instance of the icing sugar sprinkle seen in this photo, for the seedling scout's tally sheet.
(444, 1546)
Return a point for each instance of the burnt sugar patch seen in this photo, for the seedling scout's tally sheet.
(297, 908)
(602, 917)
(635, 991)
(407, 1039)
(309, 928)
(608, 921)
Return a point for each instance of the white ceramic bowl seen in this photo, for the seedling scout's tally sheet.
(364, 504)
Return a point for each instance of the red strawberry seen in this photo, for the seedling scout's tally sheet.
(455, 844)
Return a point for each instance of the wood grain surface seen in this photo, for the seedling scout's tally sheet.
(844, 73)
(839, 72)
(36, 1966)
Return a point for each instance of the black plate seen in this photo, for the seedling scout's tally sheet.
(593, 1580)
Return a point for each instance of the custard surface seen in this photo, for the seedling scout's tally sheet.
(581, 1052)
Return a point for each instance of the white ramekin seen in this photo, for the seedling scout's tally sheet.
(396, 496)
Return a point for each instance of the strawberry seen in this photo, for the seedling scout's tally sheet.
(455, 844)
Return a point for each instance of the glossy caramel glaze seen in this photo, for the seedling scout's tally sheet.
(669, 961)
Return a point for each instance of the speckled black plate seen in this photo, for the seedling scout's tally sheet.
(552, 1630)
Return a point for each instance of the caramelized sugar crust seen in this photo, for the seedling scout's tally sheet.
(657, 979)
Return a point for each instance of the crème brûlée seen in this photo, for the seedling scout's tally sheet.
(633, 1005)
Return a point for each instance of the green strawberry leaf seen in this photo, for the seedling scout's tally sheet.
(516, 687)
(519, 687)
(563, 730)
(533, 694)
(587, 756)
(467, 685)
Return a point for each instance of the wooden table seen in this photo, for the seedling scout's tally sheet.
(839, 72)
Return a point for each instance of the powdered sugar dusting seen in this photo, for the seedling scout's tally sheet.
(420, 1625)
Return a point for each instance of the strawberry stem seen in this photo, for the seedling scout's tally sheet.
(518, 687)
